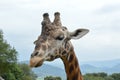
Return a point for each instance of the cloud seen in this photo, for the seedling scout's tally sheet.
(108, 9)
(21, 24)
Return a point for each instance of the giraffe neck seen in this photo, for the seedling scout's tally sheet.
(72, 66)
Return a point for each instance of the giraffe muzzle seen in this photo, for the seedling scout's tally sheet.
(36, 62)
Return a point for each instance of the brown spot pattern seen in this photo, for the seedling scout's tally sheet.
(71, 58)
(71, 69)
(75, 77)
(76, 63)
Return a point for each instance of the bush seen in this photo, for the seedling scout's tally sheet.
(116, 76)
(52, 78)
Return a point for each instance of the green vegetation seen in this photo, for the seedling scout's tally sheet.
(101, 76)
(9, 67)
(90, 76)
(52, 78)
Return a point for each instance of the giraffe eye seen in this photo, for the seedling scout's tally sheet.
(61, 37)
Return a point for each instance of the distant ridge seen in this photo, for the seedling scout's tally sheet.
(48, 70)
(92, 69)
(109, 67)
(104, 63)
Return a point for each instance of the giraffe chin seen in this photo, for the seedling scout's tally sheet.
(36, 62)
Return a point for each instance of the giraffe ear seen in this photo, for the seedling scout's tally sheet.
(78, 33)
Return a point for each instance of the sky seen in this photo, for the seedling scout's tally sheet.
(20, 21)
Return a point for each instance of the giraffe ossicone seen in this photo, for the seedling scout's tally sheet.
(54, 42)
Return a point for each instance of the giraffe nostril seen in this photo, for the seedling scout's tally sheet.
(32, 55)
(36, 53)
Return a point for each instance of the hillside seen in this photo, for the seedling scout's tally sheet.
(105, 63)
(109, 67)
(92, 69)
(48, 70)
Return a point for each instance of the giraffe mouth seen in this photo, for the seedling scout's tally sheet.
(36, 62)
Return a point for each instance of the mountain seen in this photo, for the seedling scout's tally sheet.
(48, 70)
(105, 63)
(92, 69)
(86, 68)
(109, 67)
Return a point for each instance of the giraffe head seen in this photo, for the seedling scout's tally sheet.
(53, 40)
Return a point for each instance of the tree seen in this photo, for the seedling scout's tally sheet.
(27, 72)
(93, 76)
(52, 78)
(109, 78)
(102, 74)
(116, 76)
(9, 68)
(8, 55)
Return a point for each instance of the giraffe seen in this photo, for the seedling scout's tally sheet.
(54, 42)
